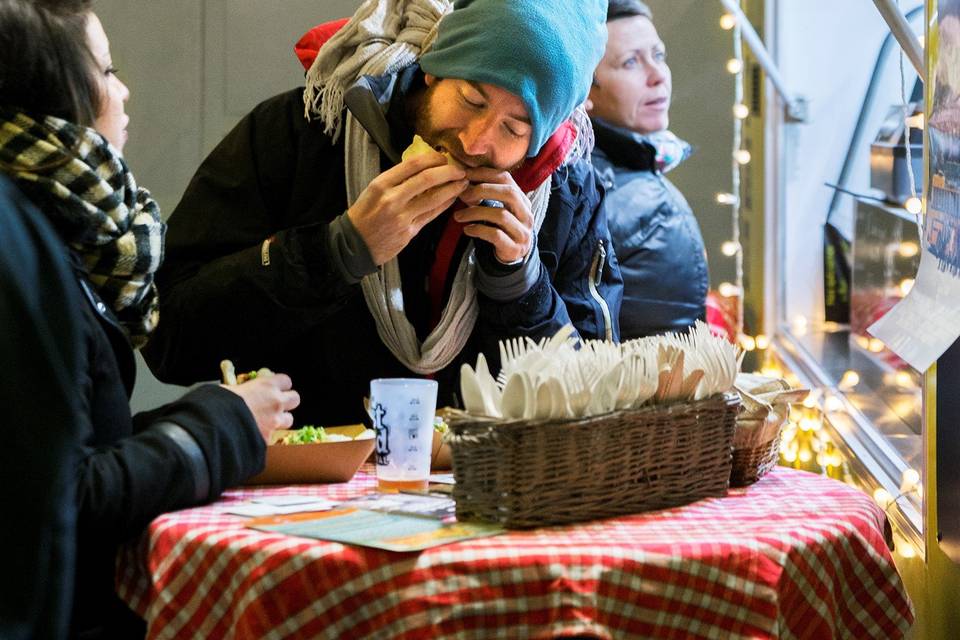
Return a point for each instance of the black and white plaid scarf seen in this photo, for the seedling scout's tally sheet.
(84, 187)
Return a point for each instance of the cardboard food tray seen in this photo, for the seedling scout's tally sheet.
(440, 458)
(314, 463)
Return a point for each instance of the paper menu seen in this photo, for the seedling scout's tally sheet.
(259, 507)
(390, 531)
(429, 506)
(923, 325)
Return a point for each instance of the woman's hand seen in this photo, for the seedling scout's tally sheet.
(399, 202)
(270, 399)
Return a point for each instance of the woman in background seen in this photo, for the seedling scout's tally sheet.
(655, 235)
(62, 131)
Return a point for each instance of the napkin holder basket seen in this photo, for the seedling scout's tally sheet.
(530, 473)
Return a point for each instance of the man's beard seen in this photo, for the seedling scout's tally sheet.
(447, 139)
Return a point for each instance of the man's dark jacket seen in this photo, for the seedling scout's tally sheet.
(655, 234)
(277, 175)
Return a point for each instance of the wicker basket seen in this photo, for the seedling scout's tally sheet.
(525, 474)
(752, 463)
(756, 439)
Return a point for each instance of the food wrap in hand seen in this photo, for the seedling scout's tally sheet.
(419, 147)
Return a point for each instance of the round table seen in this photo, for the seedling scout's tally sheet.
(796, 556)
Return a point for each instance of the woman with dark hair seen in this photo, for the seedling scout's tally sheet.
(655, 235)
(62, 132)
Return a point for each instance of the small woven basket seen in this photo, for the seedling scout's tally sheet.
(756, 439)
(524, 474)
(752, 463)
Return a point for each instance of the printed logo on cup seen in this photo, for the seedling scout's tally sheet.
(383, 434)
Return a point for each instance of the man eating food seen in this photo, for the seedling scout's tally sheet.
(306, 243)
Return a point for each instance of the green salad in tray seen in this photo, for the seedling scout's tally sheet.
(310, 434)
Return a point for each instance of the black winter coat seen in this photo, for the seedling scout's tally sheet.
(39, 364)
(133, 468)
(123, 470)
(655, 235)
(279, 176)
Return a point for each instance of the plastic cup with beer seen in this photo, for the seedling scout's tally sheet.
(402, 410)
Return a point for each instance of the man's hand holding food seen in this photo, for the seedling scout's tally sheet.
(399, 202)
(509, 228)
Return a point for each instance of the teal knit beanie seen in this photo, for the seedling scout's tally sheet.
(543, 51)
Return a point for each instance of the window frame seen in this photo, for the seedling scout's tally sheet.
(872, 460)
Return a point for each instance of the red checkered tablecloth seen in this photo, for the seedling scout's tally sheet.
(794, 556)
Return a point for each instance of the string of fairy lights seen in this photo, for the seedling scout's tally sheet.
(804, 441)
(739, 157)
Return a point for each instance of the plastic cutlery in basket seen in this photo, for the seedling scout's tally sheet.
(492, 396)
(471, 392)
(514, 400)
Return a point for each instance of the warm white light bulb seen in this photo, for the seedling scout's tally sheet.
(903, 379)
(908, 249)
(905, 285)
(726, 198)
(763, 341)
(740, 111)
(910, 478)
(734, 65)
(727, 22)
(730, 248)
(849, 379)
(913, 205)
(832, 404)
(882, 497)
(875, 345)
(742, 156)
(748, 342)
(728, 289)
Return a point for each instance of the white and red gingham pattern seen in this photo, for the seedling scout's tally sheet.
(795, 556)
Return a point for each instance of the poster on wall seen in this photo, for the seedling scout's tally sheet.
(927, 321)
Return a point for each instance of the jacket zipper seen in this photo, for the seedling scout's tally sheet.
(596, 275)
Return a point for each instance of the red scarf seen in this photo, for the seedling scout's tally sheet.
(528, 177)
